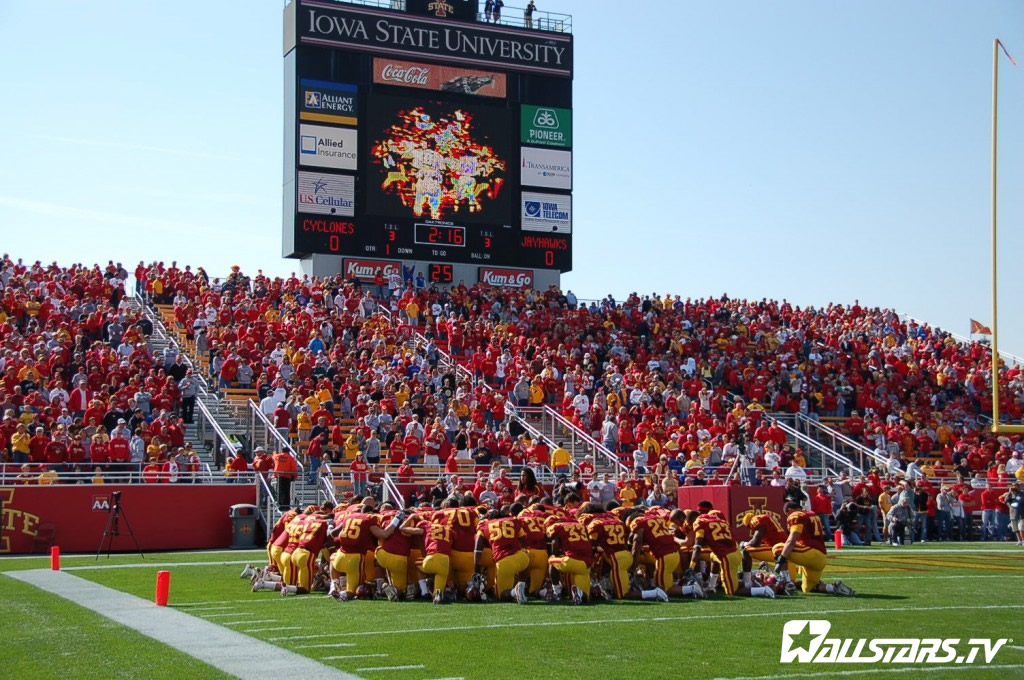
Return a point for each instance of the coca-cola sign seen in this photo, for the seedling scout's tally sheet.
(506, 278)
(438, 78)
(413, 75)
(365, 270)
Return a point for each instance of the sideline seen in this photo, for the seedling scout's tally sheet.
(229, 651)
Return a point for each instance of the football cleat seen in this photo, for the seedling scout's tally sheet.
(577, 595)
(340, 595)
(662, 595)
(365, 591)
(248, 571)
(770, 592)
(284, 591)
(391, 592)
(843, 589)
(411, 591)
(438, 597)
(698, 590)
(519, 592)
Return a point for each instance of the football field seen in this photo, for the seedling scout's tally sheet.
(924, 591)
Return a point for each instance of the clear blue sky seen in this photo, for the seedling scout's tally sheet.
(814, 151)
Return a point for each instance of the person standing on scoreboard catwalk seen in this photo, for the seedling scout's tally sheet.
(496, 12)
(528, 14)
(488, 10)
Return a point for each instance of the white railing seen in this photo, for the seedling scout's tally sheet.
(863, 452)
(576, 433)
(823, 451)
(267, 503)
(390, 492)
(159, 328)
(272, 435)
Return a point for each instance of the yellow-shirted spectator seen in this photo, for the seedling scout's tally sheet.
(536, 394)
(351, 446)
(561, 459)
(651, 446)
(47, 477)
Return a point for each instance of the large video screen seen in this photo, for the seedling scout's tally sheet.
(439, 160)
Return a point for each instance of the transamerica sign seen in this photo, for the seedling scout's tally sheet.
(360, 28)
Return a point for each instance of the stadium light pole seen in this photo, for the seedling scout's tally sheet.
(997, 427)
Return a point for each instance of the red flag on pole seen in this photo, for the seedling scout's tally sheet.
(978, 329)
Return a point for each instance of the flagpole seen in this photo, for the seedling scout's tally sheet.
(995, 258)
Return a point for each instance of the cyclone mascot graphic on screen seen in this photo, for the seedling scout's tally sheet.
(438, 161)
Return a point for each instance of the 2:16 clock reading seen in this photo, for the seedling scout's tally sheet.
(442, 235)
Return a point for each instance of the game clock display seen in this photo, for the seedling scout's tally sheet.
(431, 242)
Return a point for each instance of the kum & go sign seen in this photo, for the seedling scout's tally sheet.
(365, 270)
(506, 278)
(322, 23)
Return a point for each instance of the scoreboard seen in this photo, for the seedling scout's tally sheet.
(418, 137)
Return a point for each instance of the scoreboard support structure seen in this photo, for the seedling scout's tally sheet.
(422, 139)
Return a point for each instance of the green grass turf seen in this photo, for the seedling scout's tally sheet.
(45, 636)
(937, 593)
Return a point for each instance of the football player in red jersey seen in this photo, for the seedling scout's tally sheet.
(310, 544)
(805, 547)
(533, 519)
(288, 541)
(572, 554)
(765, 533)
(437, 550)
(356, 533)
(275, 546)
(712, 534)
(462, 521)
(608, 535)
(505, 536)
(392, 555)
(660, 535)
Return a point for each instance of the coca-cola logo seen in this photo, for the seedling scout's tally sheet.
(366, 270)
(411, 75)
(507, 278)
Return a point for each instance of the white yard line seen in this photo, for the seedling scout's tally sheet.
(876, 671)
(217, 616)
(154, 565)
(1015, 647)
(267, 630)
(246, 622)
(227, 650)
(656, 619)
(352, 656)
(328, 644)
(390, 668)
(855, 578)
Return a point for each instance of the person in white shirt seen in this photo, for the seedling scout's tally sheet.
(772, 460)
(1013, 464)
(893, 466)
(794, 471)
(640, 460)
(581, 403)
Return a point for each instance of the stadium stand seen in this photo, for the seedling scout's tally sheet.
(415, 394)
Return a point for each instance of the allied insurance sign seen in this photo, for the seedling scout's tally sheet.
(546, 126)
(327, 147)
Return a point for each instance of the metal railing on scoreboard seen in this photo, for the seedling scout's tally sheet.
(514, 17)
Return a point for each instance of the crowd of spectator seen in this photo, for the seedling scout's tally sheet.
(680, 390)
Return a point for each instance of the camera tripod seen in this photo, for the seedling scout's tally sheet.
(114, 528)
